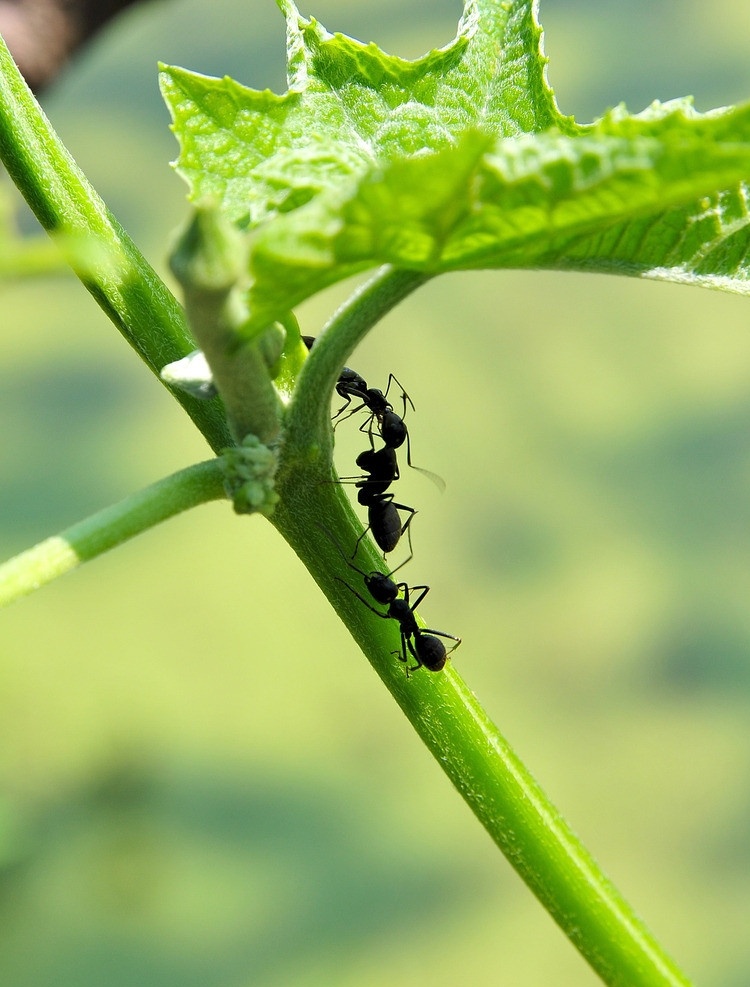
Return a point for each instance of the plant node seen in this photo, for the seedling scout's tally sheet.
(250, 476)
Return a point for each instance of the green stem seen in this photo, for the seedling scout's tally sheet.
(104, 530)
(208, 260)
(480, 762)
(124, 284)
(477, 758)
(30, 258)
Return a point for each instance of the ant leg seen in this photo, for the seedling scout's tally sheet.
(407, 529)
(366, 426)
(413, 606)
(414, 654)
(429, 630)
(354, 479)
(340, 550)
(412, 511)
(408, 451)
(402, 564)
(358, 541)
(344, 407)
(404, 396)
(403, 655)
(345, 479)
(399, 586)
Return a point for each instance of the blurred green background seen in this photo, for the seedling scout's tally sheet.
(157, 825)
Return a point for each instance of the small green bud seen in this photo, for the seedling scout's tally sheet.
(249, 476)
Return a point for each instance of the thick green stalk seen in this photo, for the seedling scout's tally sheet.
(124, 283)
(445, 713)
(110, 527)
(209, 261)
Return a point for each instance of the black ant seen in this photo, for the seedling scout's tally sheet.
(349, 382)
(391, 426)
(383, 518)
(381, 467)
(423, 644)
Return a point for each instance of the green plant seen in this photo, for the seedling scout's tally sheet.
(507, 182)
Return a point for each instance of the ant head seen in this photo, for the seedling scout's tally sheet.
(377, 402)
(377, 460)
(350, 380)
(381, 587)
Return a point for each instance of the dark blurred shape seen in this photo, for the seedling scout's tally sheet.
(35, 404)
(179, 876)
(703, 652)
(517, 546)
(43, 35)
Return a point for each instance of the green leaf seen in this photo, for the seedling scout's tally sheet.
(704, 242)
(351, 107)
(541, 200)
(456, 160)
(351, 111)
